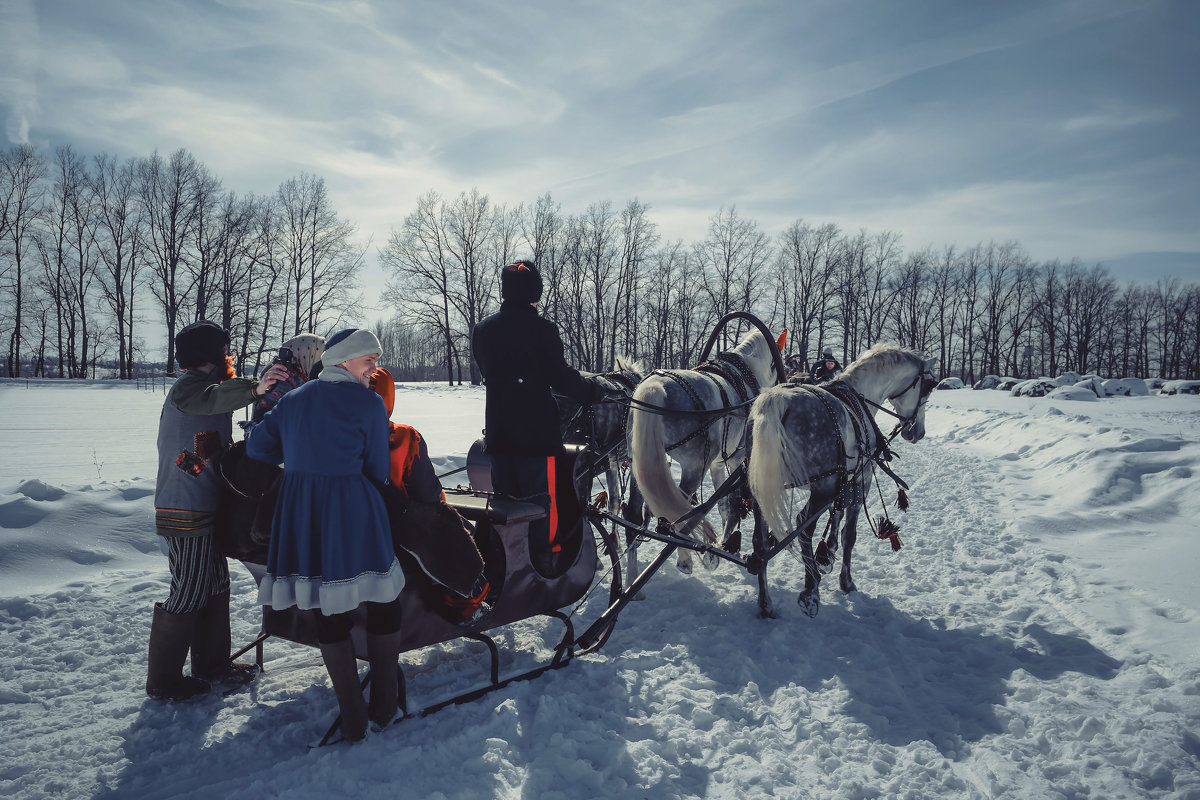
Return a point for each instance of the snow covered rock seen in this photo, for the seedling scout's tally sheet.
(1180, 387)
(987, 382)
(1125, 387)
(1080, 391)
(950, 383)
(1035, 387)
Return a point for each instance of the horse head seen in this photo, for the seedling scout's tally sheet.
(903, 377)
(910, 401)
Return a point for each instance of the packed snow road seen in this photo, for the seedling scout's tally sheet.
(1012, 649)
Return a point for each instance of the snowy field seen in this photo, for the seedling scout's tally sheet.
(1037, 636)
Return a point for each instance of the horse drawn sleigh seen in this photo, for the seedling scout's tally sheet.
(764, 441)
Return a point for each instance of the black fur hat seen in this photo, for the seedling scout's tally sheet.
(521, 282)
(201, 342)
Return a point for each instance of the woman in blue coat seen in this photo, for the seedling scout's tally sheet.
(331, 545)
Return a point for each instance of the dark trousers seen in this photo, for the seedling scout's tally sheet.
(382, 619)
(531, 479)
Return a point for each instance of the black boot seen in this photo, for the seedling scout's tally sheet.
(383, 653)
(170, 637)
(210, 648)
(343, 673)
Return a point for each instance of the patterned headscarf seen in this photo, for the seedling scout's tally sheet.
(306, 349)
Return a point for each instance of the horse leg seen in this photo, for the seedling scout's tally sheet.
(849, 536)
(810, 598)
(766, 609)
(688, 484)
(634, 513)
(727, 507)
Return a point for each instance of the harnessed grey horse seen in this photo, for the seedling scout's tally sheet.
(823, 439)
(604, 428)
(697, 417)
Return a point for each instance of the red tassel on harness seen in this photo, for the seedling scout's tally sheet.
(902, 500)
(888, 530)
(600, 502)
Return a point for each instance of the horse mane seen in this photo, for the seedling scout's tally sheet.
(882, 354)
(756, 350)
(627, 364)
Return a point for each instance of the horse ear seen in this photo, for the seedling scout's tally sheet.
(930, 363)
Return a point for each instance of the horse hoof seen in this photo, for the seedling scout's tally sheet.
(710, 560)
(686, 569)
(768, 613)
(849, 587)
(810, 604)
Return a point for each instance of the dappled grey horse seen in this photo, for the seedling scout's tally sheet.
(821, 442)
(603, 426)
(697, 417)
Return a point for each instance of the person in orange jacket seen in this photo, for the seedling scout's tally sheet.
(413, 474)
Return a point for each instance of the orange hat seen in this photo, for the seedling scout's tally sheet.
(385, 387)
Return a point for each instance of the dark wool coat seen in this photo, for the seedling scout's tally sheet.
(521, 357)
(824, 370)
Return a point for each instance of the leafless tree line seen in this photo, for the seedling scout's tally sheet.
(91, 247)
(615, 288)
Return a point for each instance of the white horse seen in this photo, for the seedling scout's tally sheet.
(821, 441)
(698, 418)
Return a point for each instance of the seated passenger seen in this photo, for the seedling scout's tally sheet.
(428, 529)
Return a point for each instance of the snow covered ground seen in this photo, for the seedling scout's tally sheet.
(1037, 637)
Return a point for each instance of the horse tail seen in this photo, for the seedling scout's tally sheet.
(774, 462)
(651, 469)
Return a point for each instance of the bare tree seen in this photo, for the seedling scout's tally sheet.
(21, 198)
(119, 235)
(168, 192)
(638, 238)
(418, 255)
(322, 259)
(477, 233)
(733, 257)
(806, 266)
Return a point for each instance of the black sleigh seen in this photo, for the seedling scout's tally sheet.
(580, 581)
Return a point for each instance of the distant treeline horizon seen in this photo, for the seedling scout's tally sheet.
(90, 247)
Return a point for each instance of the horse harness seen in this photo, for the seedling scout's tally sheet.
(623, 382)
(864, 425)
(737, 373)
(862, 420)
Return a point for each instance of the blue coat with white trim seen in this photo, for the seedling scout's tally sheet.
(331, 543)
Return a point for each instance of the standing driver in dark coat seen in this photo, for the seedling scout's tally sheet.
(520, 355)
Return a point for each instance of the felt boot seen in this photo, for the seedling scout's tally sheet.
(170, 638)
(343, 673)
(210, 648)
(383, 653)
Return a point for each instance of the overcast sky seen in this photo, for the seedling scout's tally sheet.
(1068, 126)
